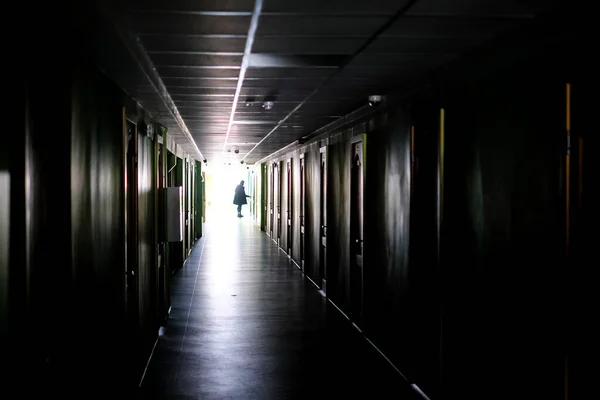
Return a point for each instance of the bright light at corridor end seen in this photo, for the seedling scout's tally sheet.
(221, 181)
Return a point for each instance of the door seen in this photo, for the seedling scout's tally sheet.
(163, 275)
(289, 208)
(323, 216)
(302, 209)
(131, 222)
(185, 208)
(356, 234)
(263, 197)
(271, 199)
(277, 194)
(189, 171)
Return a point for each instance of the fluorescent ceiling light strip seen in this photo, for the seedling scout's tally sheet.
(245, 60)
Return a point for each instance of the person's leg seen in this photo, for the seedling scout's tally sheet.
(239, 209)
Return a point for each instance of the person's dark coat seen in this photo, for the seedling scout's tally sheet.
(240, 196)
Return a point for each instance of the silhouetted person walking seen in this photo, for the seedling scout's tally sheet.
(239, 198)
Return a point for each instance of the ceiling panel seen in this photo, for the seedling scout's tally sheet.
(341, 26)
(321, 7)
(197, 60)
(193, 71)
(289, 73)
(197, 48)
(307, 45)
(384, 62)
(227, 90)
(449, 28)
(423, 45)
(274, 60)
(192, 5)
(477, 8)
(187, 43)
(150, 22)
(200, 81)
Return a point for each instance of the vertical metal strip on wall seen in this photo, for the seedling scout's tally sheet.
(580, 173)
(124, 205)
(440, 183)
(567, 210)
(164, 246)
(440, 207)
(364, 136)
(412, 160)
(568, 168)
(263, 197)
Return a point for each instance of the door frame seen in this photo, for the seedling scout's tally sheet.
(276, 202)
(271, 194)
(290, 205)
(264, 183)
(357, 310)
(301, 217)
(323, 171)
(131, 220)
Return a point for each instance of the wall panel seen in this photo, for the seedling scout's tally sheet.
(147, 270)
(387, 223)
(338, 224)
(312, 163)
(296, 208)
(503, 237)
(466, 282)
(97, 228)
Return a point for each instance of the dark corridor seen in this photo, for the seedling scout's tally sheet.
(421, 172)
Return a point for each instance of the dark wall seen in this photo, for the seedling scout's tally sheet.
(583, 295)
(387, 281)
(503, 238)
(467, 283)
(338, 222)
(199, 199)
(68, 323)
(5, 218)
(312, 163)
(66, 276)
(62, 288)
(423, 322)
(147, 271)
(97, 220)
(42, 279)
(4, 240)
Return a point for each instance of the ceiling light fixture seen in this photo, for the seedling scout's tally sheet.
(267, 105)
(245, 60)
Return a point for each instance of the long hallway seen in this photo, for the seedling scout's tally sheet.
(246, 324)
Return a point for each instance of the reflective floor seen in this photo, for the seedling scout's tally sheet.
(245, 324)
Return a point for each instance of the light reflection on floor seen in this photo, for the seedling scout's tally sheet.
(224, 255)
